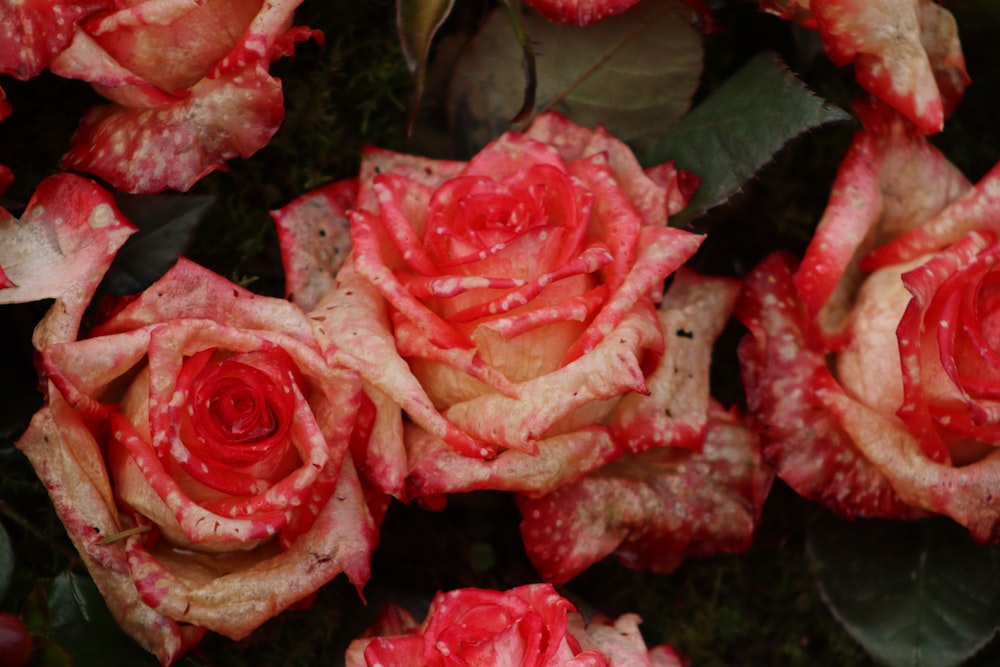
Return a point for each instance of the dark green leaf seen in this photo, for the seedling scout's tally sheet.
(914, 594)
(166, 225)
(82, 624)
(740, 128)
(635, 73)
(35, 612)
(417, 21)
(6, 562)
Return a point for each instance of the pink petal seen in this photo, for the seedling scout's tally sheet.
(189, 289)
(233, 115)
(649, 192)
(352, 325)
(652, 509)
(237, 601)
(60, 249)
(975, 208)
(370, 261)
(966, 494)
(33, 32)
(675, 411)
(580, 12)
(801, 440)
(424, 171)
(888, 184)
(610, 370)
(895, 65)
(661, 251)
(315, 239)
(437, 469)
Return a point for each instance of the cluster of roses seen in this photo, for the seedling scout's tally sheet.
(493, 324)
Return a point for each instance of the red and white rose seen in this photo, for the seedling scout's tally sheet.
(188, 81)
(196, 444)
(872, 365)
(508, 307)
(526, 626)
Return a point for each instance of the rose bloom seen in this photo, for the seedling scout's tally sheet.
(528, 626)
(196, 448)
(916, 67)
(872, 366)
(188, 81)
(508, 305)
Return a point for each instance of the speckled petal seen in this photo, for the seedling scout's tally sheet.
(60, 249)
(801, 440)
(889, 183)
(315, 239)
(69, 462)
(352, 325)
(967, 494)
(675, 412)
(235, 601)
(436, 469)
(233, 115)
(886, 42)
(33, 32)
(652, 509)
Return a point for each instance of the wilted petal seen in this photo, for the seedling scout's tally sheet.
(315, 239)
(60, 249)
(233, 115)
(891, 43)
(652, 509)
(33, 32)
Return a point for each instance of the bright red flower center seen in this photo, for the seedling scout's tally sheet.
(240, 408)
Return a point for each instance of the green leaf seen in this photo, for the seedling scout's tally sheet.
(417, 21)
(166, 226)
(635, 73)
(82, 624)
(6, 562)
(740, 128)
(914, 594)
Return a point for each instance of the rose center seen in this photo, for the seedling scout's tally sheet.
(233, 403)
(240, 411)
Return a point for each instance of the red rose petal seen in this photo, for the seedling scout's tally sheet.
(894, 65)
(801, 440)
(233, 115)
(33, 32)
(60, 249)
(652, 509)
(580, 12)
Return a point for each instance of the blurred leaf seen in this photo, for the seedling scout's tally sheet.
(82, 624)
(417, 21)
(635, 73)
(50, 654)
(512, 11)
(727, 138)
(914, 594)
(6, 562)
(35, 612)
(166, 225)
